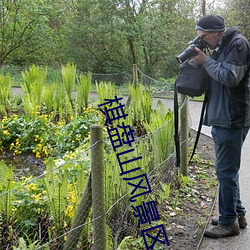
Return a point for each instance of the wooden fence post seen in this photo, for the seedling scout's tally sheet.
(135, 74)
(135, 82)
(98, 190)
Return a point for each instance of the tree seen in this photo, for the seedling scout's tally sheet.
(94, 39)
(237, 13)
(105, 36)
(21, 21)
(102, 36)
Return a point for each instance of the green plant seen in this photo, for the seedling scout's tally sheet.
(105, 90)
(62, 104)
(162, 194)
(58, 102)
(132, 243)
(161, 132)
(34, 81)
(166, 187)
(48, 98)
(28, 244)
(83, 91)
(43, 137)
(56, 184)
(30, 207)
(141, 103)
(6, 196)
(5, 90)
(14, 71)
(176, 199)
(23, 246)
(23, 134)
(68, 74)
(184, 180)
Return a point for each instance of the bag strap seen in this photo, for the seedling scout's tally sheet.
(176, 126)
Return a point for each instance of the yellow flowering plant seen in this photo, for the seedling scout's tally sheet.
(43, 137)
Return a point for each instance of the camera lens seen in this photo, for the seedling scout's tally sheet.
(190, 51)
(187, 53)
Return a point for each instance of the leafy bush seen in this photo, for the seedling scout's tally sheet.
(42, 137)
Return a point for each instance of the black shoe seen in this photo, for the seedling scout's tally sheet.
(241, 219)
(221, 231)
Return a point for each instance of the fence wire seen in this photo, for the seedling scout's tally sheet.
(44, 211)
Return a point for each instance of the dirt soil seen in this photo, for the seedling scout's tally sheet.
(25, 164)
(188, 214)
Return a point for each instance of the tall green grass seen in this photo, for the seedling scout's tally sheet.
(83, 91)
(68, 75)
(161, 130)
(141, 103)
(5, 91)
(105, 90)
(6, 197)
(33, 85)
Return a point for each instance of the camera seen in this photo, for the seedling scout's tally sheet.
(190, 51)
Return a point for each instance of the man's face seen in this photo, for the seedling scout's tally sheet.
(211, 38)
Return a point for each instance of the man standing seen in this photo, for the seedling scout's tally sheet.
(228, 112)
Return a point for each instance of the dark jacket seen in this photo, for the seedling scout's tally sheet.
(229, 90)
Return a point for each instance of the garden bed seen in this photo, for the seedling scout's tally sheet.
(184, 213)
(54, 125)
(25, 164)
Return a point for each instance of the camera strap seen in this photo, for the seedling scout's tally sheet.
(176, 127)
(199, 127)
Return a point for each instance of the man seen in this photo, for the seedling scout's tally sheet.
(228, 112)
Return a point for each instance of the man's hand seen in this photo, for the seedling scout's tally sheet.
(200, 58)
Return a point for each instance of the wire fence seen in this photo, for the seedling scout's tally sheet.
(57, 209)
(158, 87)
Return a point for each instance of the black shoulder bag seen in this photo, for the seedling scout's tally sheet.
(191, 81)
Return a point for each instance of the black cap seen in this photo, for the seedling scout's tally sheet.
(210, 23)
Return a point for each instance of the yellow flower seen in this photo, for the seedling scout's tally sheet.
(69, 211)
(45, 151)
(38, 155)
(14, 209)
(17, 152)
(6, 132)
(73, 199)
(31, 187)
(37, 196)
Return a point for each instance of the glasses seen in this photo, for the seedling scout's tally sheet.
(203, 36)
